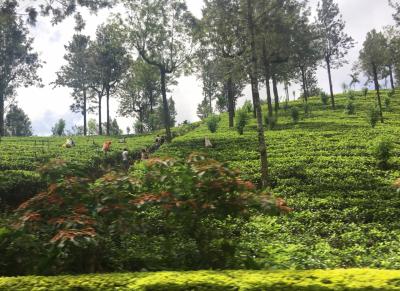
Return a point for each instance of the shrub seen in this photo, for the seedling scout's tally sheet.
(164, 214)
(18, 186)
(391, 93)
(373, 116)
(387, 103)
(324, 98)
(365, 92)
(248, 106)
(270, 121)
(381, 151)
(351, 95)
(307, 109)
(242, 117)
(350, 108)
(290, 280)
(295, 114)
(212, 123)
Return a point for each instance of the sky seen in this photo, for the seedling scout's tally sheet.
(48, 104)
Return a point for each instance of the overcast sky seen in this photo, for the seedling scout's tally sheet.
(46, 105)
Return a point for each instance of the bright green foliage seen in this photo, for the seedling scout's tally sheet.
(346, 212)
(338, 280)
(382, 151)
(212, 123)
(242, 118)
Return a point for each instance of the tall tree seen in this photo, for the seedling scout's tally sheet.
(335, 42)
(17, 122)
(392, 36)
(224, 30)
(110, 62)
(75, 75)
(162, 33)
(251, 25)
(18, 63)
(59, 128)
(373, 61)
(140, 94)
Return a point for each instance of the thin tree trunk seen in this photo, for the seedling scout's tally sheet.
(287, 94)
(303, 76)
(100, 125)
(377, 91)
(1, 114)
(165, 105)
(108, 110)
(256, 97)
(328, 65)
(267, 75)
(84, 113)
(391, 77)
(276, 94)
(231, 102)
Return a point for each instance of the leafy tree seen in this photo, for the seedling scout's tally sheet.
(335, 42)
(373, 61)
(59, 128)
(203, 109)
(223, 30)
(140, 94)
(392, 36)
(109, 63)
(75, 74)
(17, 122)
(114, 128)
(354, 79)
(161, 31)
(92, 127)
(18, 63)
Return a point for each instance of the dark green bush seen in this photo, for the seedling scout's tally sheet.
(382, 152)
(373, 116)
(242, 117)
(365, 92)
(295, 114)
(212, 123)
(391, 93)
(350, 108)
(18, 186)
(351, 95)
(248, 106)
(270, 121)
(324, 98)
(387, 102)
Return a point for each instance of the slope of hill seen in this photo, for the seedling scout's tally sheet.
(346, 211)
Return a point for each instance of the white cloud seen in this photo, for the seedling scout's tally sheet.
(46, 105)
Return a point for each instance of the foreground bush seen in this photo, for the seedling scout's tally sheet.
(352, 279)
(166, 214)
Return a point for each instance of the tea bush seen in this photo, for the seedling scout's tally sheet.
(349, 280)
(382, 151)
(242, 117)
(212, 123)
(295, 114)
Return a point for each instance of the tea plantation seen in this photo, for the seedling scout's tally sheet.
(346, 210)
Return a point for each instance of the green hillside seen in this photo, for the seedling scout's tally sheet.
(346, 211)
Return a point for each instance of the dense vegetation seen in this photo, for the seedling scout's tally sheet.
(325, 166)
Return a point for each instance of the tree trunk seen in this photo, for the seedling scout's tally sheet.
(267, 75)
(167, 121)
(100, 125)
(108, 110)
(375, 72)
(2, 133)
(256, 97)
(84, 113)
(231, 102)
(287, 94)
(328, 65)
(276, 94)
(391, 77)
(303, 76)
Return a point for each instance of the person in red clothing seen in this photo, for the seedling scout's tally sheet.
(106, 147)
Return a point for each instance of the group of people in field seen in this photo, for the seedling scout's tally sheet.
(144, 154)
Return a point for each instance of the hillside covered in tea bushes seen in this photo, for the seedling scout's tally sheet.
(345, 207)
